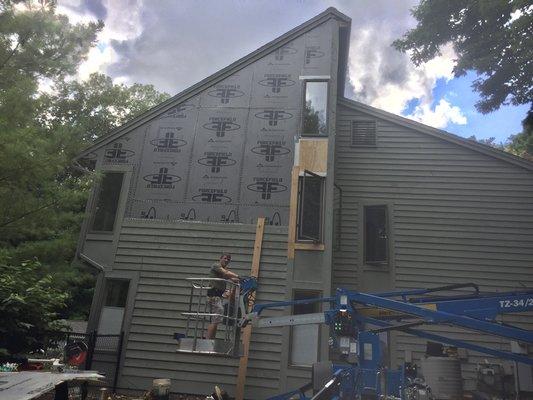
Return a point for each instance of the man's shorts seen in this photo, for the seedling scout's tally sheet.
(215, 307)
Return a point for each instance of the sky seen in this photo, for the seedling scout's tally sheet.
(175, 44)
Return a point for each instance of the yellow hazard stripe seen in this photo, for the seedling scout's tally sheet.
(375, 312)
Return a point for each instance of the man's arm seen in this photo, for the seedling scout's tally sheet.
(224, 273)
(231, 275)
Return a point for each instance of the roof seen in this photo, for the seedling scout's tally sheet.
(439, 133)
(330, 13)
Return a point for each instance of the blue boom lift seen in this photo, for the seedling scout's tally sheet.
(355, 320)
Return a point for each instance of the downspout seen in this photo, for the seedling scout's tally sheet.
(91, 262)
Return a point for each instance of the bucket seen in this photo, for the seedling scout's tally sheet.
(161, 389)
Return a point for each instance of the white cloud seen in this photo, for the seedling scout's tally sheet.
(384, 78)
(97, 61)
(122, 22)
(440, 117)
(152, 42)
(75, 12)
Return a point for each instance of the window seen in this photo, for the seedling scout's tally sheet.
(116, 293)
(310, 204)
(315, 109)
(112, 315)
(304, 338)
(107, 202)
(376, 240)
(363, 134)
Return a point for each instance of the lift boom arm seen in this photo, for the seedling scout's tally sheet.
(473, 311)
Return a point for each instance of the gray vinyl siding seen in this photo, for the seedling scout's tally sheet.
(457, 216)
(164, 254)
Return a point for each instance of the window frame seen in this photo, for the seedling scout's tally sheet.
(387, 252)
(315, 294)
(301, 238)
(126, 308)
(96, 195)
(305, 82)
(109, 282)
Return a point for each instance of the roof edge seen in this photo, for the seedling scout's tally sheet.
(439, 133)
(218, 76)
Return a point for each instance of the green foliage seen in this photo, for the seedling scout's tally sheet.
(313, 125)
(521, 144)
(489, 142)
(29, 306)
(41, 196)
(94, 107)
(492, 37)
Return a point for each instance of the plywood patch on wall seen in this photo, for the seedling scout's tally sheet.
(313, 155)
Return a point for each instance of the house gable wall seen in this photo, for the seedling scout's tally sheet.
(456, 216)
(181, 208)
(225, 155)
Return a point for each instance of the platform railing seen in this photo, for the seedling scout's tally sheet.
(199, 317)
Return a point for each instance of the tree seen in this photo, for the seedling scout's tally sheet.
(521, 144)
(492, 37)
(93, 108)
(41, 196)
(29, 308)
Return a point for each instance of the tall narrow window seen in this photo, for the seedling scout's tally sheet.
(315, 109)
(310, 205)
(376, 238)
(116, 294)
(304, 338)
(107, 201)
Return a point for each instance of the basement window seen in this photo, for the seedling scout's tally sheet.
(310, 207)
(107, 202)
(376, 236)
(363, 133)
(305, 338)
(315, 109)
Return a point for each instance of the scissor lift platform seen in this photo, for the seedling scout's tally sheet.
(227, 342)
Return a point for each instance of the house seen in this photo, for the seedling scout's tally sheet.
(353, 197)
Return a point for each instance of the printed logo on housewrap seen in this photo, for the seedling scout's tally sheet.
(284, 51)
(161, 180)
(273, 116)
(231, 217)
(274, 219)
(267, 186)
(217, 160)
(212, 196)
(178, 111)
(226, 92)
(150, 214)
(277, 81)
(312, 52)
(189, 215)
(270, 149)
(118, 154)
(168, 144)
(221, 125)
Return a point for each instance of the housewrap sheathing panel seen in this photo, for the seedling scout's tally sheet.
(456, 216)
(226, 154)
(165, 253)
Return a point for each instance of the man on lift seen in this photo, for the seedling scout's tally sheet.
(218, 291)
